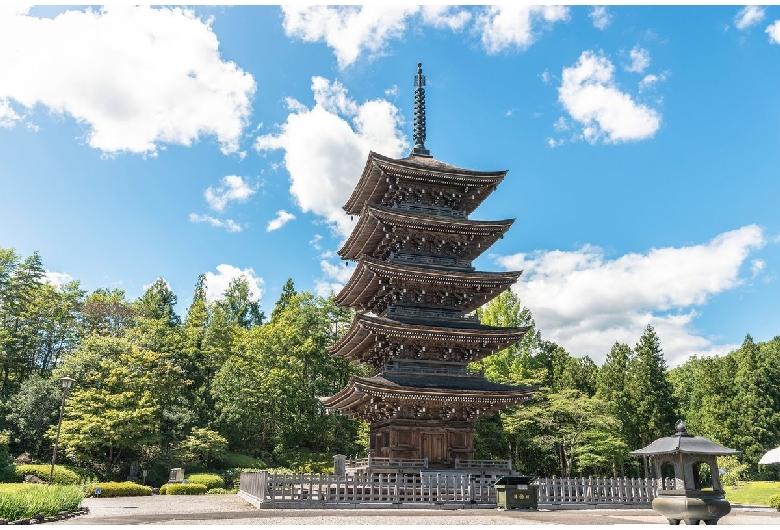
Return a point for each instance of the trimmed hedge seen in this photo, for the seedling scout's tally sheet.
(163, 489)
(118, 489)
(185, 489)
(61, 474)
(221, 491)
(210, 480)
(774, 502)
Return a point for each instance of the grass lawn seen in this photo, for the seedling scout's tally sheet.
(18, 501)
(755, 493)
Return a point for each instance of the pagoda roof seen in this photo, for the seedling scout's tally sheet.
(374, 184)
(376, 284)
(392, 390)
(360, 340)
(370, 236)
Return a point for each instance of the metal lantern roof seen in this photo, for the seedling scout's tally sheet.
(682, 442)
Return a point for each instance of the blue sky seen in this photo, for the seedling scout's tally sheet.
(642, 143)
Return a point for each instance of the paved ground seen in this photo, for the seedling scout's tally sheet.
(231, 510)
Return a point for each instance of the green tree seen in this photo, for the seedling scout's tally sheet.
(755, 408)
(651, 398)
(288, 293)
(20, 283)
(106, 312)
(558, 433)
(158, 303)
(237, 303)
(201, 448)
(266, 392)
(522, 363)
(123, 404)
(32, 410)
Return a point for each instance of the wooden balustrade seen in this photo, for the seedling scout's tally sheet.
(436, 487)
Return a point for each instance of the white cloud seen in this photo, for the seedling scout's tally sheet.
(349, 30)
(442, 16)
(600, 16)
(57, 279)
(217, 284)
(233, 189)
(281, 219)
(586, 302)
(756, 266)
(325, 147)
(135, 77)
(8, 117)
(647, 82)
(589, 94)
(515, 26)
(228, 224)
(748, 16)
(335, 277)
(773, 30)
(640, 59)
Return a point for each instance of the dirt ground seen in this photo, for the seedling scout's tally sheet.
(233, 510)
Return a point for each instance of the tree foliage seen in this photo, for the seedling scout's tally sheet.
(155, 388)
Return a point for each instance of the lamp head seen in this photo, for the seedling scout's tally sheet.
(66, 382)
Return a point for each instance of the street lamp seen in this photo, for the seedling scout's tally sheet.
(66, 384)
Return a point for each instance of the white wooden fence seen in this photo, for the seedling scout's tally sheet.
(595, 490)
(432, 487)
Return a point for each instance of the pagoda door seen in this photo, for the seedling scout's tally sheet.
(433, 446)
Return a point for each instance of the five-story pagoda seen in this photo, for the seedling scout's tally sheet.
(414, 291)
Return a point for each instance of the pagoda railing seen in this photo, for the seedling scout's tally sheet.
(384, 462)
(430, 210)
(372, 462)
(432, 260)
(432, 369)
(436, 487)
(442, 314)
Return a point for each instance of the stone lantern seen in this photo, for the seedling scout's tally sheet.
(682, 498)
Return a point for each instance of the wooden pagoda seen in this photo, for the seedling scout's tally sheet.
(414, 291)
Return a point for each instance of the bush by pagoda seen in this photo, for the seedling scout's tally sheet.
(774, 501)
(185, 489)
(118, 489)
(62, 475)
(210, 480)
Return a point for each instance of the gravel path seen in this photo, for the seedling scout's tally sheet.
(231, 509)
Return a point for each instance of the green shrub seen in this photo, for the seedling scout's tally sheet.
(774, 502)
(201, 448)
(237, 460)
(163, 489)
(735, 470)
(304, 460)
(210, 480)
(7, 474)
(185, 489)
(5, 456)
(118, 489)
(62, 475)
(222, 491)
(22, 501)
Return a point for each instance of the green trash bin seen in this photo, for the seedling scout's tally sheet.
(516, 492)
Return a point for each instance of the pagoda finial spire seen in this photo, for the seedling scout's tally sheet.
(419, 114)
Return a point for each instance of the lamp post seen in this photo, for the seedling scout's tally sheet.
(66, 384)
